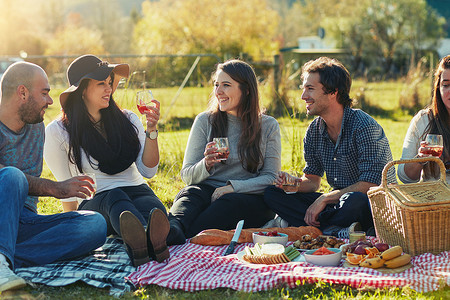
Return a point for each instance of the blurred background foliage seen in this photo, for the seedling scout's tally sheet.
(382, 39)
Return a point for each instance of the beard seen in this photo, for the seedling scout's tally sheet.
(30, 113)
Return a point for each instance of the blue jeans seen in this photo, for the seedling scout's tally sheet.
(139, 200)
(352, 207)
(29, 239)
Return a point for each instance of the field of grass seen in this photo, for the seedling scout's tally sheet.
(174, 132)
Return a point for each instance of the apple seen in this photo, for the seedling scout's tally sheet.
(360, 250)
(381, 246)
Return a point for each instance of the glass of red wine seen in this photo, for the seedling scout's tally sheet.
(222, 147)
(144, 101)
(435, 145)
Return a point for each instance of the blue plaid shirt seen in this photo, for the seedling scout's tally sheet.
(360, 153)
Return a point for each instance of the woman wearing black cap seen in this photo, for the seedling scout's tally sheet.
(95, 136)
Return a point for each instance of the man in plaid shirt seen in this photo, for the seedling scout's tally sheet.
(347, 144)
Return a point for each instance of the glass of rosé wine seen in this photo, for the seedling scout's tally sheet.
(222, 147)
(435, 145)
(92, 175)
(290, 184)
(144, 101)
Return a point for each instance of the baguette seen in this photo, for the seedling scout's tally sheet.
(217, 237)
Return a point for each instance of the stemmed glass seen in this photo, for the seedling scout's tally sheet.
(144, 101)
(435, 145)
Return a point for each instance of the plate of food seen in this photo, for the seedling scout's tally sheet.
(269, 254)
(307, 242)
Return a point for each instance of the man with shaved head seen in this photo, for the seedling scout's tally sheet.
(27, 238)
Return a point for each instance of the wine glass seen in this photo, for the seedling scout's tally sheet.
(92, 175)
(290, 184)
(144, 101)
(435, 145)
(222, 147)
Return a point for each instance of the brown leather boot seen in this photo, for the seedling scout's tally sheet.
(133, 235)
(157, 230)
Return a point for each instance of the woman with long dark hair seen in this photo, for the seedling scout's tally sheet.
(220, 193)
(434, 119)
(95, 136)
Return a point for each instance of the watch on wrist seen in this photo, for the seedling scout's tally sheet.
(152, 134)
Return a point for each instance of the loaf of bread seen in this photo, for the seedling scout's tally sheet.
(217, 237)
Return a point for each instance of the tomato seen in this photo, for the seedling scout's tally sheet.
(322, 251)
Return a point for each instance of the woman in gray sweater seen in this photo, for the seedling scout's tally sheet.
(220, 193)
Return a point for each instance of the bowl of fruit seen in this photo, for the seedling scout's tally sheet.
(270, 237)
(327, 257)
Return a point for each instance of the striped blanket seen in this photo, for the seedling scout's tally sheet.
(194, 267)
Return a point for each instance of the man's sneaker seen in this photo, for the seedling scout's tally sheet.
(9, 280)
(277, 222)
(342, 232)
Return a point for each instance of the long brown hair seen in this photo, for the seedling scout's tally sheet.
(438, 113)
(249, 112)
(114, 154)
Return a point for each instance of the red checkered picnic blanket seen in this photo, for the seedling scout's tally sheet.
(194, 267)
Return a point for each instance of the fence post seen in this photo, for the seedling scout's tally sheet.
(276, 72)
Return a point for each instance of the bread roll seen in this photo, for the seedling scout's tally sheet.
(217, 237)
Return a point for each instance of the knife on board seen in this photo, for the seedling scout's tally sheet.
(235, 238)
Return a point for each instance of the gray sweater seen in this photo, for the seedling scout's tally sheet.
(231, 172)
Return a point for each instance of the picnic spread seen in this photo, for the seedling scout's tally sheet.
(194, 267)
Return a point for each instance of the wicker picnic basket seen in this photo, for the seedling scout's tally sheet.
(415, 216)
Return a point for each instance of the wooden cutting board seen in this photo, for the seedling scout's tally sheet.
(346, 264)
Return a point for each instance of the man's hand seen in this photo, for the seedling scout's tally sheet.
(79, 186)
(287, 182)
(313, 211)
(219, 192)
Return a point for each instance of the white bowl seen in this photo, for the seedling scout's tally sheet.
(328, 260)
(264, 239)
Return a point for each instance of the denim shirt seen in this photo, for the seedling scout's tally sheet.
(359, 154)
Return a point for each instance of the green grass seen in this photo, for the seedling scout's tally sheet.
(174, 132)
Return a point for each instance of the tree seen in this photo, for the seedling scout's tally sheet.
(116, 29)
(298, 18)
(204, 26)
(381, 31)
(20, 28)
(74, 39)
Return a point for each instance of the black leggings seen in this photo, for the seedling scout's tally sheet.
(140, 200)
(193, 208)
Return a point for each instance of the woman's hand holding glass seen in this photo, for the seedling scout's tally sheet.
(432, 146)
(211, 155)
(149, 107)
(287, 182)
(216, 151)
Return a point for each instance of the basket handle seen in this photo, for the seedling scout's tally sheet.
(412, 160)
